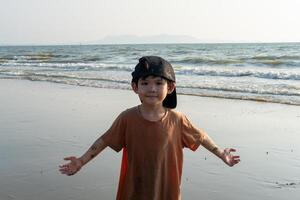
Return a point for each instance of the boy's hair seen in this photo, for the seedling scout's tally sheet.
(136, 80)
(156, 66)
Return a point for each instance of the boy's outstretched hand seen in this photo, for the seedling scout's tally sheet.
(230, 159)
(72, 167)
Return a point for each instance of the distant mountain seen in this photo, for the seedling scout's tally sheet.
(133, 39)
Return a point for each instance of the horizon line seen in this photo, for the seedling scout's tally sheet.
(153, 43)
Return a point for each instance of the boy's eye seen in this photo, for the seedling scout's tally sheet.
(144, 83)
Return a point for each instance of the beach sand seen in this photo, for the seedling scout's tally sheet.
(41, 123)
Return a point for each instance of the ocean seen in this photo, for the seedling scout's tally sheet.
(262, 72)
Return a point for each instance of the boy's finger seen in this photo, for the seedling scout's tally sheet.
(232, 150)
(67, 171)
(65, 166)
(70, 158)
(236, 161)
(63, 171)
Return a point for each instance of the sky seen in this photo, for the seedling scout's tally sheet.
(78, 21)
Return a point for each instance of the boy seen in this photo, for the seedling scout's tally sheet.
(152, 137)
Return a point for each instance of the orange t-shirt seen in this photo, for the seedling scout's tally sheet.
(152, 153)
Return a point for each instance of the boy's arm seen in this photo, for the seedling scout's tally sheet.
(98, 146)
(75, 164)
(225, 154)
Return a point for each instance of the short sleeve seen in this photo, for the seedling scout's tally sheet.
(114, 137)
(191, 136)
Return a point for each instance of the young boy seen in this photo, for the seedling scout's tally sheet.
(152, 137)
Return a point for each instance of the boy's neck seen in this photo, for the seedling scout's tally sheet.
(152, 113)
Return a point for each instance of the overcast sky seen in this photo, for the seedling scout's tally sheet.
(73, 21)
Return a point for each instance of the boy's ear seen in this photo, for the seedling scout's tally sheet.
(171, 87)
(134, 87)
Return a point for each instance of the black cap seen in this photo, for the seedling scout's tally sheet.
(157, 66)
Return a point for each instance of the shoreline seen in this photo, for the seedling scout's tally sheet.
(255, 99)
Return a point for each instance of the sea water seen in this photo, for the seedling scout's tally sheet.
(263, 72)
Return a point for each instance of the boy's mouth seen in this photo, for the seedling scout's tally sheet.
(151, 96)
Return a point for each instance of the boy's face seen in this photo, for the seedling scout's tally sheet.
(152, 90)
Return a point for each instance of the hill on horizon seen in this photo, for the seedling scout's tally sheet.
(134, 39)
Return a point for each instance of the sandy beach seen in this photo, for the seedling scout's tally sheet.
(41, 123)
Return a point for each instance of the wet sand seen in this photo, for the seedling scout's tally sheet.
(40, 123)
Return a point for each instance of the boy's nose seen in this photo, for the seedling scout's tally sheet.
(152, 88)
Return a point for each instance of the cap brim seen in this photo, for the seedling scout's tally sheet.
(171, 100)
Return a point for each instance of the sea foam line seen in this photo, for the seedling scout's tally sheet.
(206, 92)
(284, 74)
